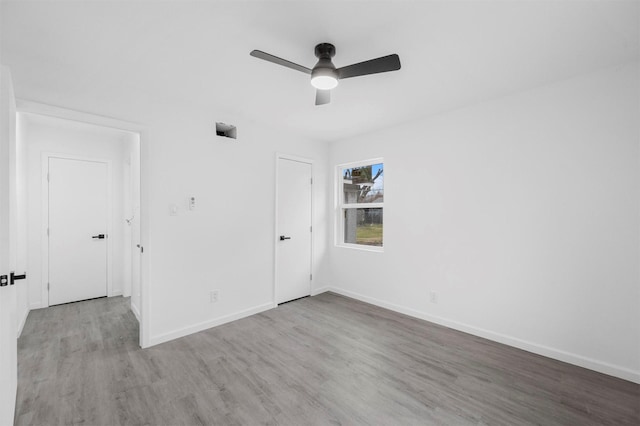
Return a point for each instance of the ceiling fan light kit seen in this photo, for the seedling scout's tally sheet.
(325, 76)
(324, 82)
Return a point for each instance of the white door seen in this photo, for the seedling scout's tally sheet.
(293, 252)
(8, 315)
(78, 219)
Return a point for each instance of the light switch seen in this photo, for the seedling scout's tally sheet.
(173, 210)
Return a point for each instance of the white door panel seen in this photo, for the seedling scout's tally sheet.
(78, 206)
(8, 231)
(293, 261)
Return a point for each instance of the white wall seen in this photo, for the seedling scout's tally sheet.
(226, 244)
(522, 214)
(50, 135)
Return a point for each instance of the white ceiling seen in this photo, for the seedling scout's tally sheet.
(103, 56)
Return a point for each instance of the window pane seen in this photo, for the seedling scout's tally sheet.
(363, 226)
(363, 184)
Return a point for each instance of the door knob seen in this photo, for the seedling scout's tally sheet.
(99, 237)
(282, 238)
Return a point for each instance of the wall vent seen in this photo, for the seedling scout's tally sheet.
(226, 130)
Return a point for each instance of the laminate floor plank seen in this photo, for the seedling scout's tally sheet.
(323, 360)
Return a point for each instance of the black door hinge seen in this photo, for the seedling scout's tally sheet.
(4, 280)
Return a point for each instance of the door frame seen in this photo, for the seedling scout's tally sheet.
(45, 220)
(143, 132)
(280, 156)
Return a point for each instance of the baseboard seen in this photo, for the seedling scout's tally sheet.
(185, 331)
(116, 293)
(560, 355)
(36, 305)
(135, 311)
(23, 320)
(321, 290)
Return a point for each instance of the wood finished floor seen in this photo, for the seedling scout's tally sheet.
(324, 360)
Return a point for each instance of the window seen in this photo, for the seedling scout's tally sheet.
(360, 204)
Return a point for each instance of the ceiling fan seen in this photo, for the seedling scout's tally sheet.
(325, 76)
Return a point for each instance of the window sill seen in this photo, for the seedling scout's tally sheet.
(361, 247)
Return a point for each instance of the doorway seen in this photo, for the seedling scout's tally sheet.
(78, 229)
(79, 153)
(294, 231)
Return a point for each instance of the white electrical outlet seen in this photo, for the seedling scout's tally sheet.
(213, 296)
(433, 297)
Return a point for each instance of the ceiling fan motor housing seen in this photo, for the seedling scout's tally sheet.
(325, 51)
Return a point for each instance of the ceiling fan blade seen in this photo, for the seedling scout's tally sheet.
(373, 66)
(323, 97)
(267, 57)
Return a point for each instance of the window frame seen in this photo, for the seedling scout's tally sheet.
(341, 206)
